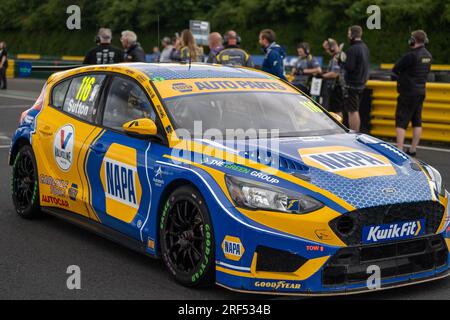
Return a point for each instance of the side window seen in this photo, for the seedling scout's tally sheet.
(82, 96)
(59, 93)
(126, 101)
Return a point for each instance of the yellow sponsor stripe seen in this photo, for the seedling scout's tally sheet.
(303, 226)
(302, 273)
(196, 147)
(234, 272)
(183, 87)
(97, 133)
(447, 241)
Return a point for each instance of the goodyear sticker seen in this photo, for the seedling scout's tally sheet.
(121, 183)
(347, 162)
(277, 285)
(173, 88)
(233, 248)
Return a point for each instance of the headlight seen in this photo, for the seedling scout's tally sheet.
(253, 195)
(436, 178)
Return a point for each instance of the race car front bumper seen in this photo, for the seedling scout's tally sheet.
(274, 264)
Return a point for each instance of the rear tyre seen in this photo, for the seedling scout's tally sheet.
(187, 238)
(25, 185)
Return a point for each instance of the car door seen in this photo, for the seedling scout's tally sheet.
(118, 167)
(65, 128)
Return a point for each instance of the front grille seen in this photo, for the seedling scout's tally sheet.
(349, 265)
(274, 260)
(349, 226)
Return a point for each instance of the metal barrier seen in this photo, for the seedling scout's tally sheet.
(435, 116)
(434, 67)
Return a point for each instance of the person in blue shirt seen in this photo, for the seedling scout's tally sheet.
(274, 54)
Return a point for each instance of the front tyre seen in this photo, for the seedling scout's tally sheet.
(187, 238)
(25, 186)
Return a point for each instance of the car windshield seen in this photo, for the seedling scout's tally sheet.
(291, 114)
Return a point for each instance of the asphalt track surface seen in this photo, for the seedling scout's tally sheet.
(34, 255)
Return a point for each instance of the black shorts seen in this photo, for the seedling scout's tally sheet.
(353, 99)
(409, 109)
(336, 103)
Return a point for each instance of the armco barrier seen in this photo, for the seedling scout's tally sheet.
(435, 116)
(434, 67)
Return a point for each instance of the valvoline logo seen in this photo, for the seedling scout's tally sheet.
(393, 231)
(63, 147)
(65, 139)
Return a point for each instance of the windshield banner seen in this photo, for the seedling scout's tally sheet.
(181, 87)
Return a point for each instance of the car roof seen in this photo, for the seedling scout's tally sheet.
(173, 71)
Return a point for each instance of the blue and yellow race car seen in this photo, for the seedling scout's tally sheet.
(232, 177)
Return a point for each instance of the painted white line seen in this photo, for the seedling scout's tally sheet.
(18, 106)
(421, 147)
(150, 186)
(5, 147)
(3, 95)
(232, 266)
(430, 148)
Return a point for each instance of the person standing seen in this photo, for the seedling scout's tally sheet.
(274, 54)
(104, 52)
(233, 55)
(133, 50)
(215, 44)
(167, 50)
(3, 65)
(305, 68)
(356, 67)
(155, 56)
(186, 48)
(334, 77)
(411, 73)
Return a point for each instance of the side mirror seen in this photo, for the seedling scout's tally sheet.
(337, 117)
(144, 126)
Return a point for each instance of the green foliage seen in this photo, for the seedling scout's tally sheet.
(39, 26)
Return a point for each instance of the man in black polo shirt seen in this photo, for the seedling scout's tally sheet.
(356, 67)
(104, 52)
(411, 73)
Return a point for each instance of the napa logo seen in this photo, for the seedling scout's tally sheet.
(63, 147)
(122, 187)
(232, 248)
(120, 182)
(348, 162)
(393, 231)
(182, 87)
